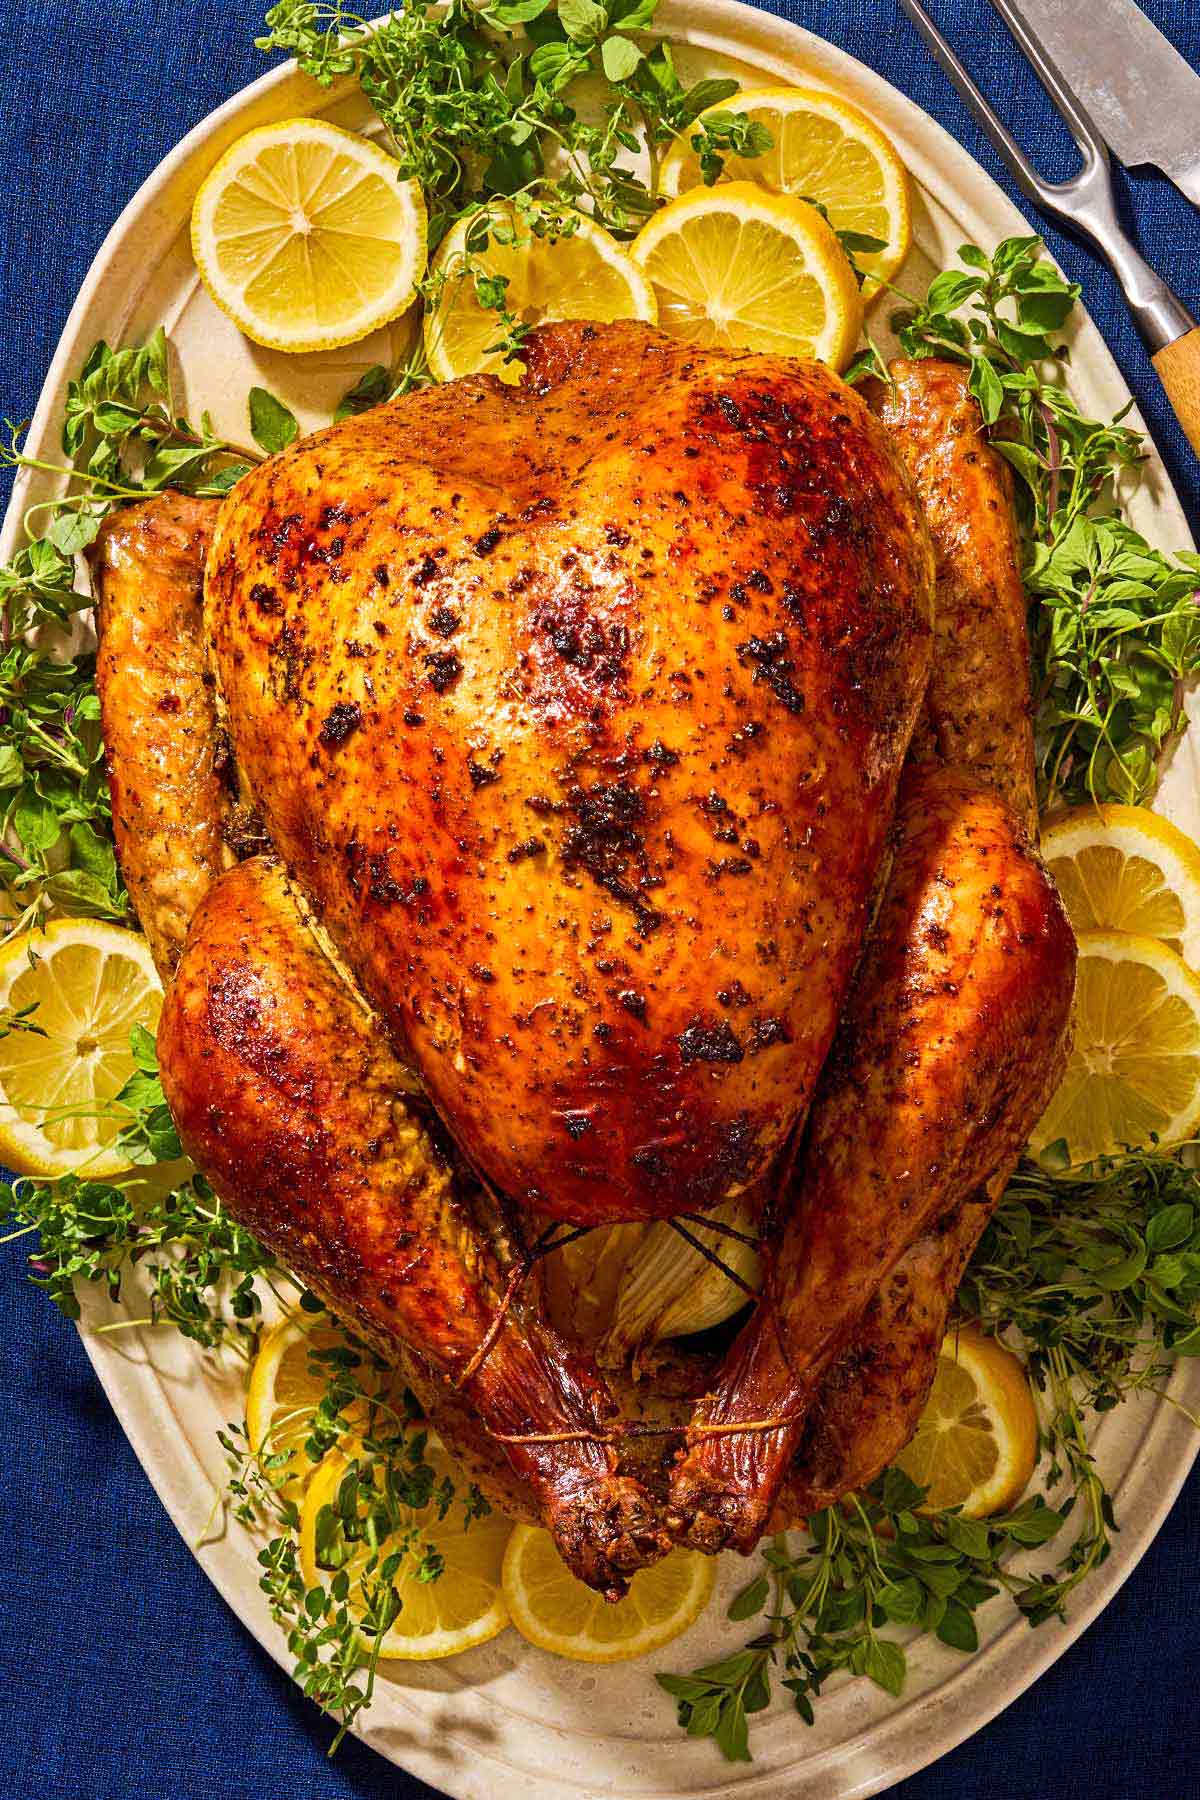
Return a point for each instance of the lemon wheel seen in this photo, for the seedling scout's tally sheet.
(586, 275)
(554, 1610)
(1134, 1072)
(289, 1378)
(738, 267)
(823, 149)
(1123, 868)
(307, 237)
(975, 1446)
(463, 1607)
(88, 984)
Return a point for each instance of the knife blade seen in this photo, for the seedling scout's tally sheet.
(1141, 93)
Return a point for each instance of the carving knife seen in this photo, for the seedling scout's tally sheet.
(1137, 88)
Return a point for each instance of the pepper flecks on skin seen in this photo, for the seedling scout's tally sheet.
(567, 610)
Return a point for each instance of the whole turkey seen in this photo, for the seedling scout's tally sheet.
(507, 779)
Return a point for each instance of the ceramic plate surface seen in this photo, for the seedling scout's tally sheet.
(507, 1718)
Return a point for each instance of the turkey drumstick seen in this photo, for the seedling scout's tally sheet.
(287, 1096)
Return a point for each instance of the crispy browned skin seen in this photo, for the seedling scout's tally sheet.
(286, 1095)
(157, 712)
(870, 1402)
(577, 712)
(978, 707)
(954, 1027)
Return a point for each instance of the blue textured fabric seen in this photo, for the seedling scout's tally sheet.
(122, 1674)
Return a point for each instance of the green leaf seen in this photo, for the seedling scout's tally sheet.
(750, 1600)
(1171, 1227)
(985, 385)
(36, 822)
(619, 58)
(887, 1665)
(92, 852)
(957, 1628)
(948, 290)
(1121, 1273)
(902, 1601)
(273, 426)
(12, 767)
(71, 532)
(582, 20)
(731, 1734)
(516, 12)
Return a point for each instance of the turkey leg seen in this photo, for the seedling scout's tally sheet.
(954, 1029)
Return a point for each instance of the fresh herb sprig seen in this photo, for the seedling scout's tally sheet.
(476, 105)
(871, 1564)
(361, 1537)
(122, 440)
(1115, 625)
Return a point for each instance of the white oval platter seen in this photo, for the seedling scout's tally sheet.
(507, 1718)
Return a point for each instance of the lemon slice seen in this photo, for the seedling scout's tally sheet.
(90, 983)
(1123, 868)
(826, 150)
(289, 1378)
(976, 1443)
(306, 236)
(554, 1610)
(736, 266)
(1134, 1069)
(584, 276)
(463, 1607)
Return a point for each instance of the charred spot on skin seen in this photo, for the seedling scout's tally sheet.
(170, 703)
(733, 995)
(744, 737)
(481, 775)
(444, 621)
(605, 839)
(614, 535)
(769, 658)
(413, 718)
(425, 572)
(345, 718)
(482, 973)
(533, 846)
(370, 878)
(577, 1124)
(485, 544)
(444, 667)
(766, 1031)
(288, 660)
(652, 1163)
(633, 1003)
(704, 1041)
(658, 756)
(266, 599)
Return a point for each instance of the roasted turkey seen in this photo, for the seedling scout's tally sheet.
(512, 786)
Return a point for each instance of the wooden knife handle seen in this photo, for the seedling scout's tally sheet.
(1178, 367)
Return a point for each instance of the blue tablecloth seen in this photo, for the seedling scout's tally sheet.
(122, 1674)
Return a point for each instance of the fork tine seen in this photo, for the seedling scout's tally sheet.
(1024, 173)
